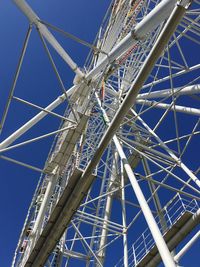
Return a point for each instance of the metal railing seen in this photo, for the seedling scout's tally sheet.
(170, 214)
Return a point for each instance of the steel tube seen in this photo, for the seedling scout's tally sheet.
(148, 24)
(177, 238)
(15, 78)
(165, 254)
(188, 90)
(181, 109)
(22, 164)
(24, 128)
(43, 109)
(177, 74)
(160, 243)
(125, 239)
(130, 99)
(83, 185)
(33, 18)
(36, 139)
(170, 152)
(126, 43)
(31, 122)
(35, 233)
(181, 253)
(85, 242)
(108, 207)
(40, 217)
(154, 194)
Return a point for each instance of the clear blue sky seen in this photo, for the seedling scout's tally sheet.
(37, 83)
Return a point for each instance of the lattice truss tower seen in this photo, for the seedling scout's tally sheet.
(121, 159)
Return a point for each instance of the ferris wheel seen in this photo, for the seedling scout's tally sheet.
(120, 184)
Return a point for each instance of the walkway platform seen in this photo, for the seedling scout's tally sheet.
(181, 215)
(167, 237)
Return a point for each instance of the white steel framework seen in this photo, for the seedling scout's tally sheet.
(120, 161)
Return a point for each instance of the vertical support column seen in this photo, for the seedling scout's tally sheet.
(37, 228)
(103, 185)
(156, 199)
(108, 207)
(125, 243)
(40, 217)
(157, 236)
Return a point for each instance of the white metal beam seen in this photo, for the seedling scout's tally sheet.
(170, 152)
(84, 183)
(160, 243)
(31, 122)
(34, 19)
(15, 78)
(37, 138)
(178, 237)
(125, 239)
(22, 164)
(178, 108)
(181, 253)
(188, 90)
(174, 75)
(149, 23)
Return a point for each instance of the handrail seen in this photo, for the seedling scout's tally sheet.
(172, 211)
